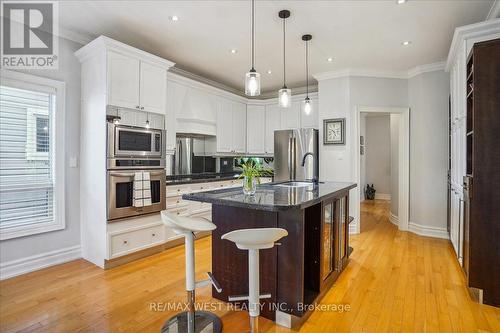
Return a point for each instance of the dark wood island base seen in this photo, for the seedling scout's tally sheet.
(298, 271)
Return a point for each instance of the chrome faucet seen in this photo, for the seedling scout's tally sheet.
(314, 179)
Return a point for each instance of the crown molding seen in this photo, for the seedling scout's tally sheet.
(494, 11)
(386, 74)
(471, 31)
(295, 91)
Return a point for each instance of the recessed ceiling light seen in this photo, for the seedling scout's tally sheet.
(174, 18)
(406, 43)
(400, 2)
(234, 51)
(269, 71)
(329, 59)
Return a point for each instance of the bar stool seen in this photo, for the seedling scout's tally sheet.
(254, 240)
(191, 321)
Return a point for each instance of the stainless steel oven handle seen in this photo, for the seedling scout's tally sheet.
(132, 174)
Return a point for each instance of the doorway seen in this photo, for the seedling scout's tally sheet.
(402, 130)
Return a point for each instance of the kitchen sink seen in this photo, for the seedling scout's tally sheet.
(295, 184)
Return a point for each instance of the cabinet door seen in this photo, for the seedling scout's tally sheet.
(156, 121)
(256, 132)
(123, 80)
(224, 126)
(153, 88)
(290, 117)
(239, 127)
(309, 120)
(127, 117)
(327, 239)
(273, 123)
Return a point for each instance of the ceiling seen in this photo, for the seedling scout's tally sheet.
(356, 34)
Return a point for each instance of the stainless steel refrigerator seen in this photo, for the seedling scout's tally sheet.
(296, 154)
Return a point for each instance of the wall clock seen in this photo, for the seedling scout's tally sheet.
(334, 131)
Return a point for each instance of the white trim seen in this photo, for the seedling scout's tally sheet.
(494, 11)
(437, 66)
(33, 263)
(394, 219)
(428, 231)
(470, 31)
(353, 228)
(404, 157)
(106, 43)
(382, 196)
(58, 158)
(380, 73)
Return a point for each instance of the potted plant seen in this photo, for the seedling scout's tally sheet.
(252, 170)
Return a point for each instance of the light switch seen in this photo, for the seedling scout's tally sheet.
(73, 162)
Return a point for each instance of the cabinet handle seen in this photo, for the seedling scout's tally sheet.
(153, 235)
(137, 107)
(142, 107)
(125, 242)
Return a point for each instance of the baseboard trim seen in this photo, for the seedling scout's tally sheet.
(382, 196)
(394, 219)
(423, 230)
(33, 263)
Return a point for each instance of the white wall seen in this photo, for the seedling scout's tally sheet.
(428, 98)
(339, 98)
(23, 247)
(427, 95)
(378, 153)
(395, 122)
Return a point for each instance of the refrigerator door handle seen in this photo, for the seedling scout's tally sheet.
(294, 158)
(290, 158)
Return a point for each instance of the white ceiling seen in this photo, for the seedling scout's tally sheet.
(357, 34)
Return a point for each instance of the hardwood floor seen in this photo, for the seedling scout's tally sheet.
(395, 282)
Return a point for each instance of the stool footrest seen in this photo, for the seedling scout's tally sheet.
(211, 280)
(245, 297)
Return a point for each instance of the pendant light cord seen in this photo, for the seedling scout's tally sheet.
(284, 53)
(253, 33)
(307, 68)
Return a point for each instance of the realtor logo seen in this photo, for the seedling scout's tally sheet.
(29, 35)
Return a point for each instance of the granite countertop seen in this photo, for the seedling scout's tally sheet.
(200, 178)
(271, 197)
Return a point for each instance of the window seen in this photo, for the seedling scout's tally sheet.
(31, 155)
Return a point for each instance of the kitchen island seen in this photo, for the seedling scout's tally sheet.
(299, 271)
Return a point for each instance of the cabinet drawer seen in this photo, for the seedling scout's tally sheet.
(177, 190)
(183, 211)
(176, 202)
(135, 240)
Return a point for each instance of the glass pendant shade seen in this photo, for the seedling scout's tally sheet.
(252, 83)
(307, 106)
(285, 97)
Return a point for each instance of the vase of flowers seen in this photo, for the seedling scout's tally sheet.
(252, 170)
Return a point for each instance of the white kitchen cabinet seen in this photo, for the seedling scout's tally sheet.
(273, 123)
(309, 120)
(256, 129)
(290, 117)
(224, 126)
(156, 121)
(123, 80)
(136, 84)
(239, 127)
(153, 88)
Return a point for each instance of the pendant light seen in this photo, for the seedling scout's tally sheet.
(307, 100)
(252, 78)
(284, 94)
(147, 121)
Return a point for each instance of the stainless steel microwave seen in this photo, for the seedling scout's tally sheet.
(128, 141)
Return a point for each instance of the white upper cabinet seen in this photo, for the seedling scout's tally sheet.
(239, 127)
(309, 120)
(273, 123)
(256, 129)
(136, 84)
(123, 80)
(224, 126)
(231, 126)
(153, 87)
(290, 117)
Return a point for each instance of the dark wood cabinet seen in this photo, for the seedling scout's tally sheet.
(481, 249)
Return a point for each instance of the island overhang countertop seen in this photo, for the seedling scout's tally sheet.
(273, 196)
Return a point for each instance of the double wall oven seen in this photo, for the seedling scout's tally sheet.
(131, 150)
